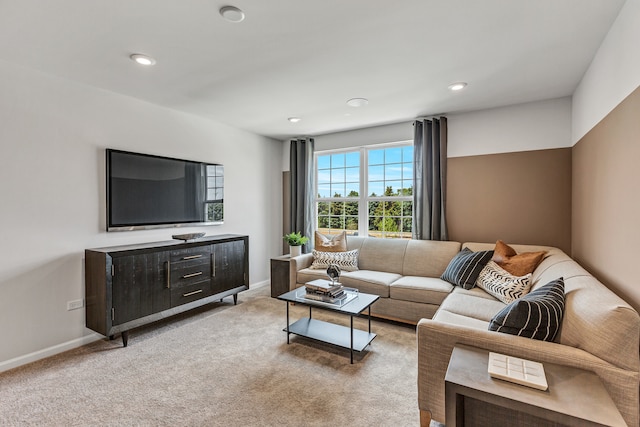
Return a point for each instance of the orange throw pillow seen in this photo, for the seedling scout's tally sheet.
(517, 264)
(336, 243)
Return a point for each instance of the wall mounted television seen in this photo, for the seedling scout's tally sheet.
(146, 191)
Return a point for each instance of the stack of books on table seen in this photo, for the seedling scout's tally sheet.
(325, 291)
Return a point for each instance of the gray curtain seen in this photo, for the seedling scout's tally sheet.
(302, 187)
(430, 179)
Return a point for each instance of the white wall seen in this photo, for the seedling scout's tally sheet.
(532, 126)
(524, 127)
(613, 74)
(52, 193)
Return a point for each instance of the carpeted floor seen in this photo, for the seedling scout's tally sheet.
(221, 365)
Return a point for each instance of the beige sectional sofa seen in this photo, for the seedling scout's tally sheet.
(404, 273)
(600, 332)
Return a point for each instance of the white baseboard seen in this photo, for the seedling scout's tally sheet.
(259, 284)
(48, 352)
(69, 345)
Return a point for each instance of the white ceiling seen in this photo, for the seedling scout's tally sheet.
(306, 58)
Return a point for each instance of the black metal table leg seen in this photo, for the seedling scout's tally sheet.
(287, 322)
(351, 339)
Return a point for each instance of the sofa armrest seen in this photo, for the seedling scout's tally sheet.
(437, 339)
(296, 264)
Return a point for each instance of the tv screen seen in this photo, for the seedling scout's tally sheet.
(145, 191)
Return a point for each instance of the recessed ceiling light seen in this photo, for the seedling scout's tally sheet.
(357, 102)
(142, 59)
(457, 86)
(232, 14)
(294, 119)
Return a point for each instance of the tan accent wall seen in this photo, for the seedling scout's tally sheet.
(606, 200)
(522, 197)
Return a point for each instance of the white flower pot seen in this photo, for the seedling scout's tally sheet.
(295, 251)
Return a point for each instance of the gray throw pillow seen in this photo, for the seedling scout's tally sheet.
(464, 268)
(537, 315)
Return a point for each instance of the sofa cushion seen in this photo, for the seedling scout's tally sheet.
(347, 261)
(429, 290)
(450, 318)
(464, 268)
(470, 305)
(337, 243)
(307, 275)
(517, 264)
(368, 281)
(558, 266)
(382, 254)
(501, 284)
(537, 315)
(474, 292)
(428, 258)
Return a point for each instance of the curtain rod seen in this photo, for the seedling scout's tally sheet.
(437, 116)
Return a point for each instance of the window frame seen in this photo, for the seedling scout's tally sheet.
(363, 198)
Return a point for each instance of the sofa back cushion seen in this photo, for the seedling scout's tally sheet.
(428, 258)
(379, 254)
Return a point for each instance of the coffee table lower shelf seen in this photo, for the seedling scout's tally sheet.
(331, 333)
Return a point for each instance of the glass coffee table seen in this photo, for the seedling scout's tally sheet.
(338, 335)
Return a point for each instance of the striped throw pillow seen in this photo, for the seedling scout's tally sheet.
(464, 268)
(347, 261)
(498, 282)
(537, 315)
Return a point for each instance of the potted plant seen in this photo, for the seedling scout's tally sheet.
(295, 241)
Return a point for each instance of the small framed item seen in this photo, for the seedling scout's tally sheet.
(518, 371)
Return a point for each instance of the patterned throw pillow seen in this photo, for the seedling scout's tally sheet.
(347, 261)
(497, 281)
(537, 315)
(337, 243)
(464, 268)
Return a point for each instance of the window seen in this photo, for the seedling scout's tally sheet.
(215, 193)
(375, 200)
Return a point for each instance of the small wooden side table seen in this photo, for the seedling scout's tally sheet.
(575, 397)
(279, 275)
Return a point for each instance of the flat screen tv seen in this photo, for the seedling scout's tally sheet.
(146, 191)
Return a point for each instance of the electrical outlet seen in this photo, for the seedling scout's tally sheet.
(75, 304)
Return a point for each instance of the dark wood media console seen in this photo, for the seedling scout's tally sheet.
(130, 286)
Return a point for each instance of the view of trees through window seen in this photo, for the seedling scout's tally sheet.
(375, 200)
(214, 207)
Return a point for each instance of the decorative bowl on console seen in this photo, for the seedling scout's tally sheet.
(189, 236)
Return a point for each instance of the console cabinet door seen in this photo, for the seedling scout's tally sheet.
(228, 265)
(139, 286)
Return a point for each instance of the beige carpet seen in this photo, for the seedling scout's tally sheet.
(221, 365)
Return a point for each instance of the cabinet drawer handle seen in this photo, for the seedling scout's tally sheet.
(191, 257)
(186, 276)
(188, 294)
(168, 274)
(213, 264)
